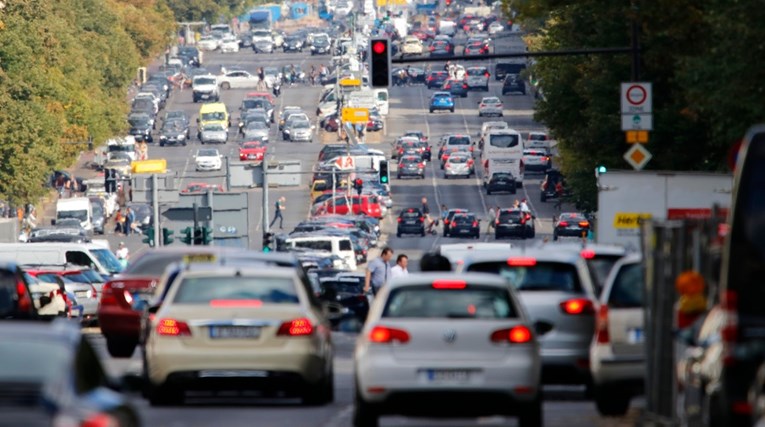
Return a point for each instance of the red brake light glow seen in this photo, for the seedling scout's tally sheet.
(449, 284)
(587, 254)
(516, 335)
(385, 335)
(173, 328)
(521, 261)
(601, 326)
(223, 303)
(577, 306)
(295, 328)
(563, 224)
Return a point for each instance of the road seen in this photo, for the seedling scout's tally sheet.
(563, 406)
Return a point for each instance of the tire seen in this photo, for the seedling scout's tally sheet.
(451, 109)
(183, 143)
(532, 233)
(225, 85)
(398, 235)
(480, 114)
(398, 176)
(321, 393)
(161, 144)
(431, 111)
(121, 347)
(610, 402)
(488, 192)
(531, 416)
(363, 413)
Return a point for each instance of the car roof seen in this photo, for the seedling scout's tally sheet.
(541, 254)
(428, 278)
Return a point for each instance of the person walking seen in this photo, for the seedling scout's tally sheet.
(426, 212)
(122, 253)
(129, 220)
(400, 269)
(378, 271)
(490, 220)
(278, 208)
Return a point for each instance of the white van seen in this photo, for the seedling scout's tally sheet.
(96, 256)
(336, 245)
(76, 208)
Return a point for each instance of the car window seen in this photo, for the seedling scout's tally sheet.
(458, 140)
(33, 361)
(504, 140)
(203, 290)
(410, 215)
(464, 219)
(343, 286)
(508, 215)
(473, 302)
(542, 276)
(345, 245)
(317, 245)
(627, 290)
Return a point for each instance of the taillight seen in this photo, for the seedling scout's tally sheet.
(587, 253)
(296, 328)
(464, 85)
(94, 291)
(563, 224)
(446, 222)
(601, 325)
(173, 328)
(399, 220)
(521, 261)
(421, 165)
(486, 75)
(584, 224)
(107, 295)
(100, 420)
(449, 284)
(577, 306)
(516, 335)
(385, 335)
(25, 301)
(421, 219)
(475, 223)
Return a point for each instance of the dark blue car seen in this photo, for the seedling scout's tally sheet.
(441, 101)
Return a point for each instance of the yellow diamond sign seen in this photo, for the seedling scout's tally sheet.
(637, 156)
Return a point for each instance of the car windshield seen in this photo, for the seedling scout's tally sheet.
(410, 215)
(207, 153)
(251, 145)
(459, 140)
(500, 176)
(509, 216)
(80, 215)
(215, 116)
(106, 258)
(458, 159)
(301, 124)
(503, 140)
(33, 361)
(256, 125)
(204, 81)
(491, 100)
(464, 219)
(410, 160)
(537, 137)
(345, 285)
(473, 302)
(600, 266)
(207, 290)
(542, 276)
(475, 71)
(172, 126)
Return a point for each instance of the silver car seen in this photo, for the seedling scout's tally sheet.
(490, 106)
(459, 164)
(536, 159)
(477, 78)
(411, 165)
(558, 293)
(456, 344)
(256, 130)
(213, 133)
(300, 131)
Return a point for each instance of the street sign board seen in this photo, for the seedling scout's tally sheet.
(637, 98)
(355, 115)
(637, 156)
(637, 122)
(204, 213)
(637, 136)
(345, 162)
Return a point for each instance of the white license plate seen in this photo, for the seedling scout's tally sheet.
(233, 374)
(252, 156)
(82, 294)
(234, 332)
(448, 375)
(205, 96)
(635, 335)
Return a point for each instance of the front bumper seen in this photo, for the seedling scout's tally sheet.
(208, 167)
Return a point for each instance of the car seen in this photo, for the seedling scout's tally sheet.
(293, 44)
(257, 103)
(202, 187)
(368, 205)
(85, 294)
(256, 115)
(538, 139)
(411, 165)
(547, 188)
(475, 47)
(571, 224)
(411, 45)
(514, 222)
(299, 130)
(617, 359)
(441, 101)
(174, 132)
(501, 182)
(459, 164)
(213, 133)
(440, 48)
(208, 43)
(229, 44)
(52, 372)
(445, 344)
(208, 159)
(256, 131)
(345, 290)
(410, 221)
(141, 125)
(556, 289)
(252, 150)
(490, 106)
(465, 225)
(513, 84)
(455, 140)
(260, 328)
(436, 79)
(238, 79)
(535, 159)
(287, 112)
(456, 87)
(321, 46)
(448, 219)
(477, 78)
(263, 46)
(495, 28)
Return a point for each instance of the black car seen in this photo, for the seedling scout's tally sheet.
(448, 220)
(512, 84)
(191, 54)
(141, 126)
(417, 76)
(411, 221)
(174, 132)
(514, 223)
(464, 225)
(16, 299)
(552, 177)
(571, 224)
(501, 182)
(320, 46)
(436, 79)
(292, 44)
(347, 290)
(504, 68)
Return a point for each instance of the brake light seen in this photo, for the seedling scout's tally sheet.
(563, 224)
(486, 74)
(516, 335)
(295, 328)
(577, 306)
(399, 220)
(385, 335)
(464, 85)
(475, 223)
(446, 222)
(99, 420)
(601, 326)
(25, 301)
(421, 165)
(584, 224)
(449, 284)
(173, 328)
(521, 261)
(587, 254)
(421, 219)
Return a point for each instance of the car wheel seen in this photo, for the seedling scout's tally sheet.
(398, 235)
(398, 176)
(321, 393)
(532, 233)
(531, 416)
(161, 144)
(225, 85)
(120, 347)
(480, 114)
(488, 192)
(363, 413)
(183, 143)
(610, 402)
(431, 110)
(451, 109)
(497, 236)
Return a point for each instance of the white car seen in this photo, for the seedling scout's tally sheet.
(490, 106)
(208, 43)
(495, 27)
(238, 79)
(536, 159)
(538, 140)
(436, 338)
(208, 159)
(229, 44)
(411, 46)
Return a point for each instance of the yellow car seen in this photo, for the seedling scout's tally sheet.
(239, 328)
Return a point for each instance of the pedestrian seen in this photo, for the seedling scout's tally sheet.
(278, 208)
(524, 206)
(444, 212)
(122, 252)
(516, 204)
(68, 188)
(129, 220)
(491, 219)
(378, 271)
(435, 262)
(426, 212)
(119, 222)
(559, 194)
(400, 269)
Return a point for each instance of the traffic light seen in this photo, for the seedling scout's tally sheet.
(149, 239)
(268, 240)
(358, 185)
(167, 236)
(600, 170)
(188, 236)
(207, 235)
(198, 236)
(379, 62)
(384, 172)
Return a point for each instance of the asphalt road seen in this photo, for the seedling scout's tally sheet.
(563, 406)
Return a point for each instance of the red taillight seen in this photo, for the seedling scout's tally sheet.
(25, 301)
(421, 219)
(475, 223)
(521, 261)
(100, 420)
(464, 86)
(173, 328)
(421, 165)
(515, 335)
(449, 284)
(577, 306)
(399, 220)
(729, 332)
(446, 222)
(385, 335)
(486, 75)
(587, 254)
(295, 328)
(584, 224)
(107, 295)
(563, 224)
(601, 325)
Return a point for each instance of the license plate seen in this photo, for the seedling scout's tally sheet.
(410, 223)
(464, 231)
(233, 374)
(635, 335)
(448, 375)
(252, 156)
(82, 294)
(205, 96)
(234, 332)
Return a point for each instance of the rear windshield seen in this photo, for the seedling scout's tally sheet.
(506, 216)
(410, 215)
(152, 264)
(473, 302)
(203, 290)
(317, 245)
(343, 286)
(464, 219)
(627, 291)
(503, 140)
(459, 140)
(475, 71)
(543, 276)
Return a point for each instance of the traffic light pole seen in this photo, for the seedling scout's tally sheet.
(264, 214)
(155, 207)
(196, 224)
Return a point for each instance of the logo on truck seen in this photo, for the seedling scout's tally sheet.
(624, 220)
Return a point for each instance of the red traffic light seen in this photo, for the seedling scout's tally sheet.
(378, 47)
(359, 182)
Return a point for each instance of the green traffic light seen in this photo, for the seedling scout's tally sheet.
(602, 169)
(384, 179)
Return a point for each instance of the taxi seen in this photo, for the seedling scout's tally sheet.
(239, 327)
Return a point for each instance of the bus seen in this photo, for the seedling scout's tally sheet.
(504, 145)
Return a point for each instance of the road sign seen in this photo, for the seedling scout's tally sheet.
(637, 136)
(637, 122)
(350, 82)
(345, 162)
(355, 115)
(637, 156)
(637, 98)
(204, 213)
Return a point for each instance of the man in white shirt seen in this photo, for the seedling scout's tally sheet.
(399, 269)
(122, 252)
(525, 206)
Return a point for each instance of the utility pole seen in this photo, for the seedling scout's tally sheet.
(265, 197)
(635, 40)
(155, 208)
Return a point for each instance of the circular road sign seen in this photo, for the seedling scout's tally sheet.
(636, 95)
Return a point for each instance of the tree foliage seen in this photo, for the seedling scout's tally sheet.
(704, 58)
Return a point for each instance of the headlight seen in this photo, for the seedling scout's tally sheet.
(181, 136)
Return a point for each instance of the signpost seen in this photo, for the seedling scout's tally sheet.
(637, 121)
(637, 156)
(355, 115)
(345, 163)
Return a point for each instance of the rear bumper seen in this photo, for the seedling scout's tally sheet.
(411, 229)
(451, 403)
(119, 322)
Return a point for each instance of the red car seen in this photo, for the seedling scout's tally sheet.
(265, 95)
(201, 187)
(252, 150)
(360, 205)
